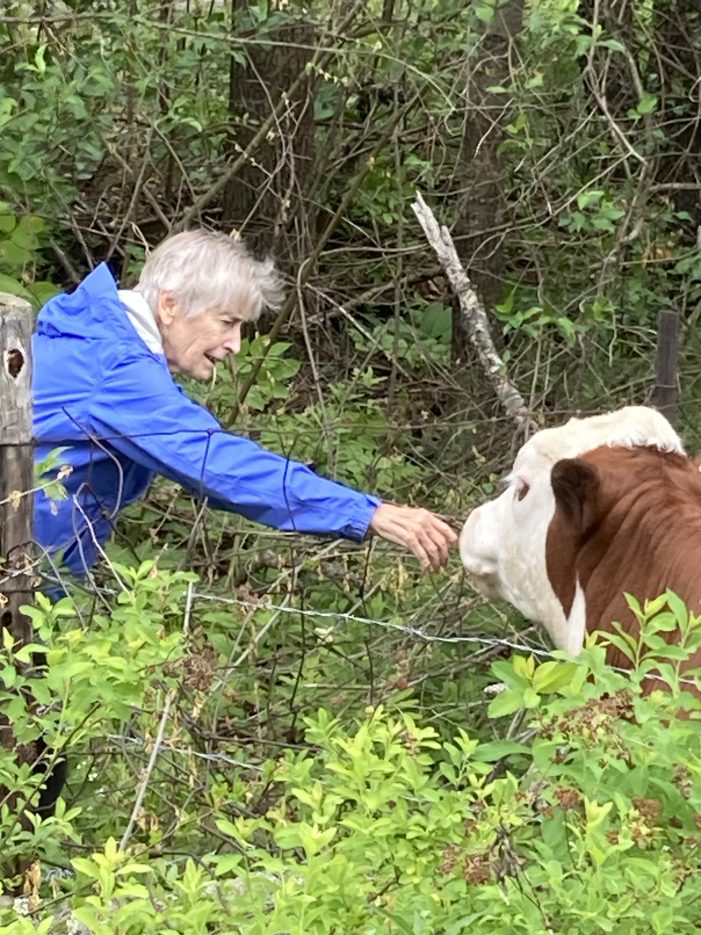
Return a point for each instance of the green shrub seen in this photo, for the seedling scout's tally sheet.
(587, 820)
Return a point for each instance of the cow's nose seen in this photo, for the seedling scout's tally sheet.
(475, 553)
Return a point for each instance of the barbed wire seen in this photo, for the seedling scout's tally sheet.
(341, 616)
(166, 746)
(416, 633)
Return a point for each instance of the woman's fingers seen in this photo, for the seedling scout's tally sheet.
(418, 530)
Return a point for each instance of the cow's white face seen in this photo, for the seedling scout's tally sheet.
(503, 542)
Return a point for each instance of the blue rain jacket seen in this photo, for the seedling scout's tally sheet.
(100, 391)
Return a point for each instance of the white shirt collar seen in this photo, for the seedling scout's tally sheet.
(141, 317)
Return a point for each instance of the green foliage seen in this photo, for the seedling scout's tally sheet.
(274, 376)
(649, 653)
(386, 192)
(573, 806)
(592, 824)
(96, 680)
(20, 240)
(344, 439)
(535, 320)
(346, 435)
(49, 474)
(594, 210)
(420, 339)
(53, 111)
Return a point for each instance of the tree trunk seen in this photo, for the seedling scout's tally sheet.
(267, 202)
(478, 233)
(678, 33)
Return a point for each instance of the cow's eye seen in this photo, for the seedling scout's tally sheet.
(522, 490)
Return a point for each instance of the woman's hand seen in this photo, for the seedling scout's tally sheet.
(418, 530)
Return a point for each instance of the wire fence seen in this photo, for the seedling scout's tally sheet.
(164, 763)
(92, 514)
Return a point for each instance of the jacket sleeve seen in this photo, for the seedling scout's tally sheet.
(140, 411)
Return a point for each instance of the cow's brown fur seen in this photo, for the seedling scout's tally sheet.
(626, 520)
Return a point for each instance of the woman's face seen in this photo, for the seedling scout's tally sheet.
(195, 345)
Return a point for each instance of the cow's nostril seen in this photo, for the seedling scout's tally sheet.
(485, 584)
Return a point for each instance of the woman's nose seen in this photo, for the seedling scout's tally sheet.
(232, 342)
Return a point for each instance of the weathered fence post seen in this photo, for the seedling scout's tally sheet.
(16, 474)
(664, 397)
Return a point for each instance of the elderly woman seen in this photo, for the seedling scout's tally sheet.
(103, 389)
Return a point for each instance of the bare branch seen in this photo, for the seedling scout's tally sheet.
(474, 314)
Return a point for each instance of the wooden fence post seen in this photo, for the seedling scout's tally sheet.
(16, 475)
(664, 397)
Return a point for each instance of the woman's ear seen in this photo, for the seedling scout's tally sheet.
(167, 308)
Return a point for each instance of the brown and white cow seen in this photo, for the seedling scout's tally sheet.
(592, 509)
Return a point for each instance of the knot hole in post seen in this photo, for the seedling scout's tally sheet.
(14, 361)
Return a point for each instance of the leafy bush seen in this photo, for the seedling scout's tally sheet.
(588, 820)
(20, 240)
(94, 681)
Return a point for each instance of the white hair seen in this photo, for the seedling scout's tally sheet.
(207, 270)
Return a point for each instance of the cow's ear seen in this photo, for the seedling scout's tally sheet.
(576, 486)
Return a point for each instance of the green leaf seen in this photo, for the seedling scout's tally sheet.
(496, 749)
(134, 868)
(664, 622)
(14, 254)
(7, 220)
(671, 651)
(506, 702)
(613, 44)
(653, 607)
(622, 643)
(654, 642)
(505, 672)
(587, 198)
(8, 284)
(231, 830)
(8, 676)
(678, 608)
(42, 291)
(595, 813)
(484, 13)
(647, 103)
(524, 666)
(40, 59)
(552, 676)
(86, 867)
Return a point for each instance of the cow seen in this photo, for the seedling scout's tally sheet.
(592, 509)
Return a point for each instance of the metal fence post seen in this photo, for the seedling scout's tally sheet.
(665, 394)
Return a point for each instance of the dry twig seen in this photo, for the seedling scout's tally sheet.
(475, 316)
